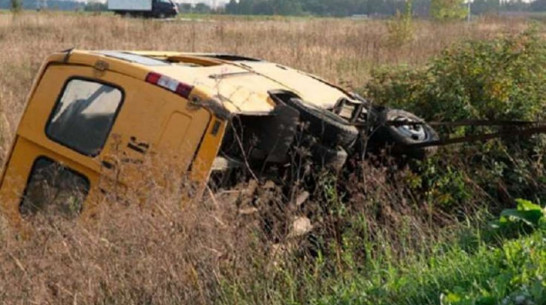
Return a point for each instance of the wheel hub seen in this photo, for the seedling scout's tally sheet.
(413, 131)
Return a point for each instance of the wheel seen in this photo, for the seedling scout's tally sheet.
(330, 129)
(401, 137)
(332, 158)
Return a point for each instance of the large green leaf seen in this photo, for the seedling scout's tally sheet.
(530, 217)
(526, 205)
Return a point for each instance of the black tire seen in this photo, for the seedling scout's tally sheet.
(400, 138)
(332, 158)
(328, 127)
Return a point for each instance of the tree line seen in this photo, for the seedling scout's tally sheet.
(51, 4)
(337, 8)
(372, 7)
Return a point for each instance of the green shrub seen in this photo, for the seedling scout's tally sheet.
(501, 79)
(510, 274)
(446, 10)
(16, 6)
(526, 216)
(400, 28)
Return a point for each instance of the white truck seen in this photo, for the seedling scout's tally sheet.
(144, 8)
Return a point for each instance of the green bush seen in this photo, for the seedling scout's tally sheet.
(16, 6)
(448, 10)
(501, 79)
(525, 217)
(400, 28)
(512, 273)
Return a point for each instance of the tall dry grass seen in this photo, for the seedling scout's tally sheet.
(127, 255)
(235, 246)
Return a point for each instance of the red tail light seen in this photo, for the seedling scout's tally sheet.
(170, 84)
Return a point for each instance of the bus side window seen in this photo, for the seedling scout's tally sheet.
(84, 115)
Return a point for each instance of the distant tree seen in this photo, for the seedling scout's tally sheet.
(448, 9)
(515, 6)
(245, 6)
(316, 7)
(185, 7)
(232, 7)
(538, 6)
(286, 7)
(95, 7)
(421, 8)
(262, 8)
(485, 6)
(202, 8)
(320, 7)
(16, 6)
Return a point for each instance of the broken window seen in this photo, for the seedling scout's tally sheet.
(83, 117)
(54, 189)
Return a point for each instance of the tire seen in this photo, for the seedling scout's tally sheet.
(400, 138)
(332, 158)
(328, 127)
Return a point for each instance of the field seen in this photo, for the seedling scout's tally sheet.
(385, 238)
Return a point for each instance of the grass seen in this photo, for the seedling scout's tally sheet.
(377, 240)
(489, 275)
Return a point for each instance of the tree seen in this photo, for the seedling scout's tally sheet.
(95, 6)
(322, 7)
(232, 7)
(538, 6)
(445, 10)
(16, 6)
(286, 7)
(401, 27)
(485, 6)
(202, 8)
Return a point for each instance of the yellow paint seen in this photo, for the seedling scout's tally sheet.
(161, 123)
(165, 123)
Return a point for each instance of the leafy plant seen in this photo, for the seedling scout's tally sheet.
(500, 79)
(444, 10)
(400, 28)
(16, 6)
(526, 215)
